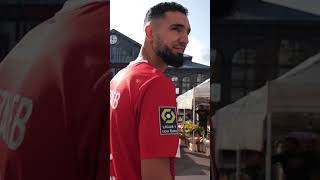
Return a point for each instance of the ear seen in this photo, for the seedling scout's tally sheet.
(148, 31)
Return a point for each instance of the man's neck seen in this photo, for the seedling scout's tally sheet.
(152, 58)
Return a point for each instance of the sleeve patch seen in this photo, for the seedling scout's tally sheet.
(168, 120)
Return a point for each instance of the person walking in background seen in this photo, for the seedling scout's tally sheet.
(203, 115)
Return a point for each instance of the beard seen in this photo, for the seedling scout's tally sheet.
(164, 52)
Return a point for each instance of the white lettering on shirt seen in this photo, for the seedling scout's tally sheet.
(114, 99)
(15, 111)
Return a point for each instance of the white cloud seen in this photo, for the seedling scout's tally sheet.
(198, 51)
(127, 17)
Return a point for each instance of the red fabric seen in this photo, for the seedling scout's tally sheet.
(55, 75)
(137, 94)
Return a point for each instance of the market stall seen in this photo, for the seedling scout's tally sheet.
(199, 95)
(250, 119)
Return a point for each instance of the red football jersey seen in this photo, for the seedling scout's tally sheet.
(53, 99)
(143, 122)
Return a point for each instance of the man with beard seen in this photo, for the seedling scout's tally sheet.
(143, 118)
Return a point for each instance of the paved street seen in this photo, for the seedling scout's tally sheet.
(192, 165)
(194, 177)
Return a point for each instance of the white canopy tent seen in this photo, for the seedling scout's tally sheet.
(198, 93)
(296, 91)
(185, 100)
(244, 119)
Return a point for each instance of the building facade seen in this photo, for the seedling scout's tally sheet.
(257, 43)
(254, 42)
(123, 50)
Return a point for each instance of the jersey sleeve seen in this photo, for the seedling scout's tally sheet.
(158, 134)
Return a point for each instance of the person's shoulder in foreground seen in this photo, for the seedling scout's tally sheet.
(52, 98)
(150, 120)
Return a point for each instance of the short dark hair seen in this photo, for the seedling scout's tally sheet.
(160, 9)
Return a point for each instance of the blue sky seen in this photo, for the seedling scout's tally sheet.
(127, 17)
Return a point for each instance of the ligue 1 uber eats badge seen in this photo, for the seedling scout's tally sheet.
(168, 120)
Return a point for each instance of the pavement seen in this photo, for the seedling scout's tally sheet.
(206, 177)
(192, 165)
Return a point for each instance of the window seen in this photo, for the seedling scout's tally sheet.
(244, 56)
(238, 73)
(113, 72)
(185, 84)
(290, 52)
(175, 81)
(242, 65)
(119, 55)
(200, 78)
(243, 73)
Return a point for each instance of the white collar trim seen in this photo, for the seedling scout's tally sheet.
(138, 61)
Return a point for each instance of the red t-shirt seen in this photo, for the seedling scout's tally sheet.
(53, 97)
(143, 122)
